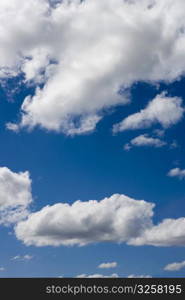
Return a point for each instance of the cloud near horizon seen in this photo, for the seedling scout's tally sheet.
(83, 56)
(176, 266)
(114, 275)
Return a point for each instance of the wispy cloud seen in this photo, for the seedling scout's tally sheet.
(177, 172)
(176, 266)
(23, 257)
(139, 276)
(114, 275)
(108, 265)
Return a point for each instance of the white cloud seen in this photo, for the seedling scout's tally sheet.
(15, 195)
(177, 172)
(114, 275)
(139, 276)
(164, 110)
(84, 52)
(175, 266)
(114, 219)
(170, 232)
(2, 269)
(144, 140)
(12, 126)
(23, 257)
(108, 265)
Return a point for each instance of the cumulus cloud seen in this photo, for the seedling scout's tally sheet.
(144, 140)
(15, 195)
(108, 265)
(114, 275)
(164, 110)
(177, 172)
(81, 54)
(114, 219)
(175, 266)
(117, 219)
(170, 232)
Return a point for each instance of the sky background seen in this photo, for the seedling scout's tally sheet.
(93, 165)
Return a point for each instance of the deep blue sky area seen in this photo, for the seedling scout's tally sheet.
(94, 166)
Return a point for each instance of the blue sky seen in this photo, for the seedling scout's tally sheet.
(66, 167)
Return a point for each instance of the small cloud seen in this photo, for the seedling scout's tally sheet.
(27, 257)
(144, 140)
(114, 275)
(177, 172)
(23, 258)
(2, 269)
(139, 276)
(163, 110)
(108, 265)
(127, 147)
(174, 145)
(12, 126)
(176, 266)
(159, 132)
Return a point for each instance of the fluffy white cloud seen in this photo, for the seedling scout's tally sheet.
(116, 219)
(114, 275)
(144, 140)
(177, 172)
(175, 266)
(84, 52)
(108, 265)
(164, 110)
(15, 195)
(170, 232)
